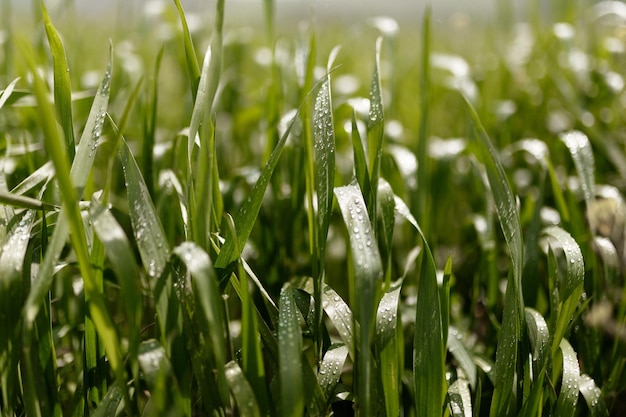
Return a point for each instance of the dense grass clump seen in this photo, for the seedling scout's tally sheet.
(277, 221)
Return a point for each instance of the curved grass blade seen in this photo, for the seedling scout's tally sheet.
(539, 336)
(367, 276)
(112, 403)
(570, 280)
(422, 193)
(157, 371)
(582, 154)
(209, 301)
(338, 313)
(388, 346)
(568, 397)
(6, 93)
(387, 209)
(331, 369)
(290, 356)
(593, 396)
(513, 316)
(242, 391)
(460, 398)
(62, 86)
(459, 351)
(248, 213)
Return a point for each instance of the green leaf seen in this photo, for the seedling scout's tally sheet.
(62, 86)
(248, 213)
(12, 259)
(461, 354)
(190, 53)
(6, 93)
(242, 391)
(582, 154)
(568, 396)
(120, 253)
(375, 130)
(158, 373)
(593, 396)
(570, 279)
(111, 404)
(367, 276)
(460, 398)
(388, 346)
(290, 356)
(539, 339)
(209, 303)
(331, 369)
(510, 333)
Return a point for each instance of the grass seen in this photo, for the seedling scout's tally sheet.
(287, 222)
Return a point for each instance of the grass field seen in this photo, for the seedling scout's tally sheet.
(201, 218)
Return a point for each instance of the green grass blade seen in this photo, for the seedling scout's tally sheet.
(422, 192)
(249, 211)
(324, 153)
(367, 276)
(568, 396)
(375, 131)
(159, 376)
(461, 354)
(360, 159)
(193, 69)
(539, 336)
(569, 281)
(510, 334)
(120, 253)
(112, 404)
(460, 398)
(22, 201)
(241, 390)
(388, 346)
(593, 396)
(147, 229)
(6, 93)
(387, 210)
(12, 261)
(62, 86)
(428, 344)
(331, 369)
(69, 194)
(209, 302)
(252, 355)
(149, 124)
(290, 356)
(582, 154)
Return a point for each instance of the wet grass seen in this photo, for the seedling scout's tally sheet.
(281, 221)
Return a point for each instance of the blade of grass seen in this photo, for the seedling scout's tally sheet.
(12, 257)
(290, 356)
(331, 369)
(375, 134)
(568, 397)
(422, 192)
(582, 154)
(248, 213)
(389, 348)
(149, 124)
(159, 376)
(462, 355)
(62, 85)
(513, 318)
(193, 69)
(242, 391)
(69, 194)
(593, 396)
(460, 397)
(569, 281)
(367, 267)
(208, 301)
(6, 93)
